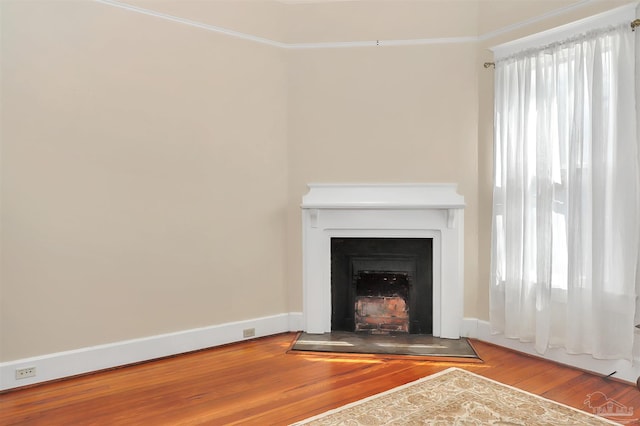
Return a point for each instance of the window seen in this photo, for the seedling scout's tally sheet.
(565, 231)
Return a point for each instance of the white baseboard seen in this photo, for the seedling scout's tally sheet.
(624, 370)
(85, 360)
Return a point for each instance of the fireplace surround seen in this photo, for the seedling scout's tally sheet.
(432, 211)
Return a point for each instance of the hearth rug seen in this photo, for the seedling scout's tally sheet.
(455, 397)
(386, 344)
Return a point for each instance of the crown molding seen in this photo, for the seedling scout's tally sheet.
(613, 17)
(535, 20)
(348, 44)
(196, 24)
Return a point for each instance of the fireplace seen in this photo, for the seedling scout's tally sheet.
(433, 212)
(381, 285)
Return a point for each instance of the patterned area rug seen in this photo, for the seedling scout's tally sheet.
(455, 397)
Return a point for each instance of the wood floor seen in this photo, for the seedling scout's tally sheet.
(258, 383)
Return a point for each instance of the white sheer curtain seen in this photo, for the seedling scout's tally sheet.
(565, 212)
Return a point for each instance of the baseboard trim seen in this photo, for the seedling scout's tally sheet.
(91, 359)
(622, 369)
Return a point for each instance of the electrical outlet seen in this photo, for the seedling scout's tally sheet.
(23, 373)
(248, 332)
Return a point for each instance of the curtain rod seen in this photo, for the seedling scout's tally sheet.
(634, 24)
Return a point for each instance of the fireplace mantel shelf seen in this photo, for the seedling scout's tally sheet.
(413, 196)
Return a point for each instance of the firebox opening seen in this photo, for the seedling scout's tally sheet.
(382, 285)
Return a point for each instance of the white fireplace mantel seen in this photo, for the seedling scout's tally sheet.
(384, 211)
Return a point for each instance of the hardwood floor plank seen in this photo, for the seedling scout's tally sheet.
(258, 383)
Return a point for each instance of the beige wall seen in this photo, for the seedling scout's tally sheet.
(397, 114)
(365, 20)
(405, 114)
(152, 172)
(144, 177)
(384, 114)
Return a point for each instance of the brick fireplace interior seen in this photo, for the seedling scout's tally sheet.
(382, 285)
